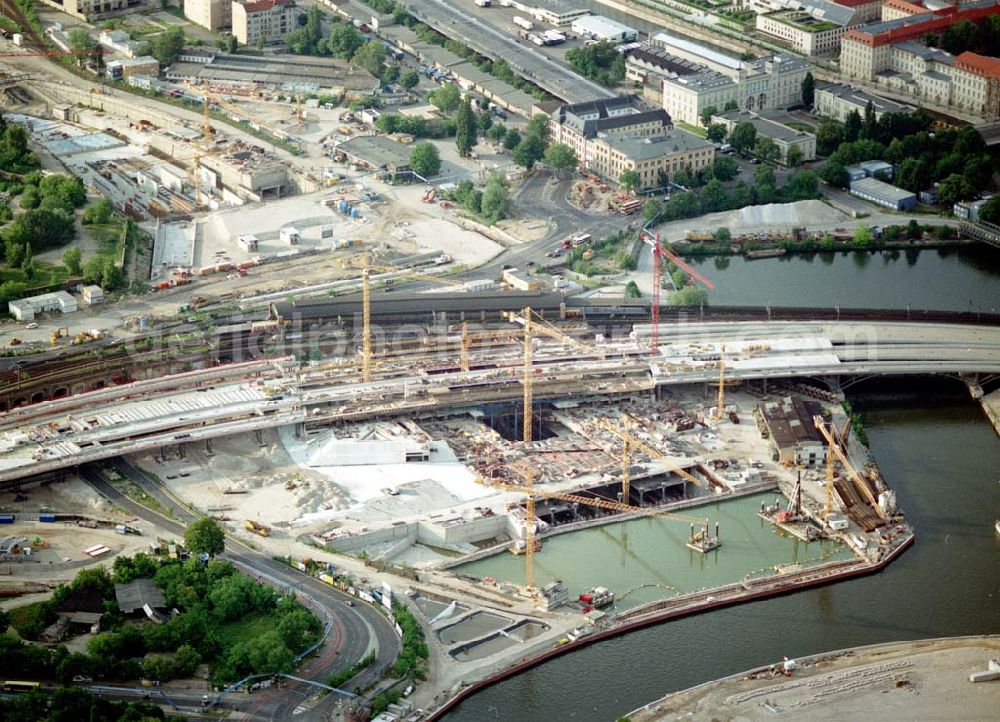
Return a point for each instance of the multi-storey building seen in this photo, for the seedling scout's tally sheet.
(90, 10)
(651, 156)
(866, 51)
(761, 84)
(891, 53)
(263, 21)
(837, 101)
(210, 14)
(617, 134)
(813, 27)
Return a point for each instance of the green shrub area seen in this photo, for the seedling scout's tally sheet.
(609, 255)
(226, 619)
(412, 660)
(74, 703)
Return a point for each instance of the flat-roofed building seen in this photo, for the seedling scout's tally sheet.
(837, 101)
(560, 13)
(814, 30)
(783, 136)
(883, 194)
(25, 309)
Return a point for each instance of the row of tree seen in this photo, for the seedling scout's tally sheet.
(599, 61)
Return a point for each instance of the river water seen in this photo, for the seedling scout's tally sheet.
(939, 453)
(948, 279)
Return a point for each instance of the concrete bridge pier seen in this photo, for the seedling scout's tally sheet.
(300, 430)
(181, 451)
(208, 448)
(258, 436)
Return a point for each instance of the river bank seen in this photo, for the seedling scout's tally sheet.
(907, 680)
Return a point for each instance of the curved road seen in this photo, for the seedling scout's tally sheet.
(356, 631)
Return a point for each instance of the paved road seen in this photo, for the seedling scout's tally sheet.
(519, 54)
(356, 631)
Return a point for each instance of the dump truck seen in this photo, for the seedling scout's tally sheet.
(254, 528)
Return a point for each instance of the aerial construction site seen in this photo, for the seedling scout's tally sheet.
(530, 484)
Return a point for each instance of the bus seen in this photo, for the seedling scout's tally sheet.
(14, 686)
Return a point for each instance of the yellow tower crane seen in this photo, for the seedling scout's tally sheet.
(527, 379)
(366, 304)
(631, 444)
(834, 446)
(532, 324)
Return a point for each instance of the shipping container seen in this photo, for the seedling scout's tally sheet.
(6, 518)
(50, 518)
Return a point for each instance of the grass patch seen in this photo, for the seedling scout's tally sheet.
(700, 132)
(241, 630)
(805, 127)
(23, 617)
(9, 25)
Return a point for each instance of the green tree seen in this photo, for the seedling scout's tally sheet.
(955, 188)
(186, 661)
(560, 157)
(852, 127)
(166, 46)
(688, 296)
(990, 211)
(98, 212)
(425, 160)
(512, 139)
(863, 235)
(496, 199)
(599, 61)
(716, 132)
(496, 134)
(913, 231)
(160, 669)
(706, 115)
(314, 25)
(835, 174)
(651, 210)
(743, 137)
(794, 157)
(730, 105)
(808, 90)
(409, 79)
(632, 290)
(869, 124)
(713, 197)
(630, 180)
(296, 629)
(466, 130)
(529, 151)
(446, 98)
(82, 45)
(725, 168)
(766, 149)
(371, 57)
(205, 536)
(344, 40)
(4, 621)
(913, 175)
(722, 235)
(829, 136)
(43, 227)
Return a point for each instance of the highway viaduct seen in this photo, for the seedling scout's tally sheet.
(200, 406)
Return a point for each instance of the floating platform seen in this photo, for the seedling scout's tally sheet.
(704, 545)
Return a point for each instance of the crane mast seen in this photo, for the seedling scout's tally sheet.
(527, 380)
